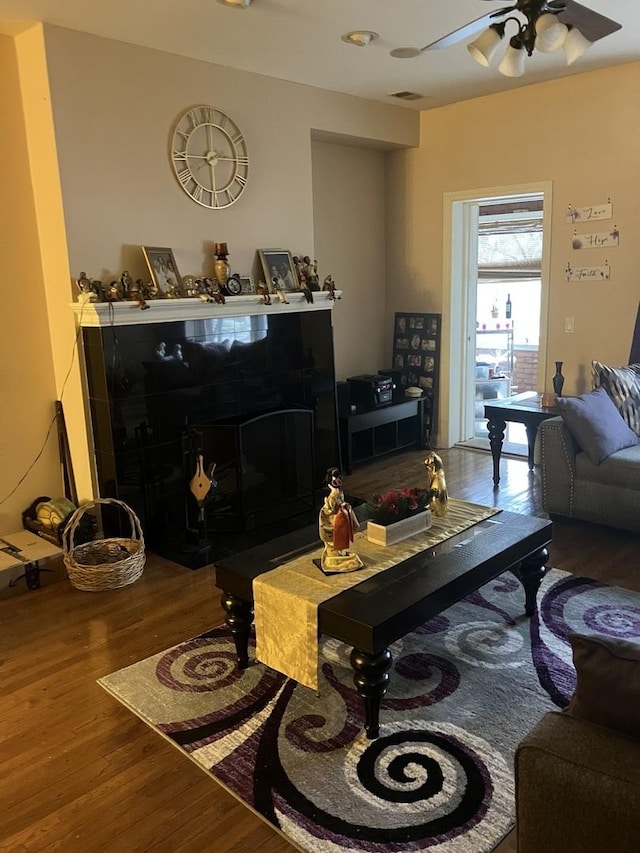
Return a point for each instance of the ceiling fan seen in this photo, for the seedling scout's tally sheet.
(547, 25)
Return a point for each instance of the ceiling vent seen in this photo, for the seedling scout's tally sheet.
(406, 96)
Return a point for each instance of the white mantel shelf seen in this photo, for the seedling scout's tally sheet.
(169, 310)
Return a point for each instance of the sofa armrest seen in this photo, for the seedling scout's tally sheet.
(577, 788)
(558, 456)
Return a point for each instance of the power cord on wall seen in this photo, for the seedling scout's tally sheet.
(53, 420)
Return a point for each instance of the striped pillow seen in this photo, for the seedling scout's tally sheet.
(622, 384)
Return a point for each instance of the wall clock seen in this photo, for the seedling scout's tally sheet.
(209, 156)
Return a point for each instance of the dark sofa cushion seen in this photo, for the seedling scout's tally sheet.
(608, 682)
(596, 424)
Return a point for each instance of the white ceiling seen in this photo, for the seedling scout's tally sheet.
(299, 40)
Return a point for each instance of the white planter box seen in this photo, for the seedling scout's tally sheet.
(392, 533)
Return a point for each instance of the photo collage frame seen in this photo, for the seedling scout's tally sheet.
(416, 350)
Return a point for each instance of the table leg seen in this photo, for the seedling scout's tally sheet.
(371, 678)
(238, 619)
(530, 573)
(532, 430)
(496, 437)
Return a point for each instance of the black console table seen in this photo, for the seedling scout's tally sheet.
(367, 434)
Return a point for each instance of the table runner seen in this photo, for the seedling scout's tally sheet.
(286, 599)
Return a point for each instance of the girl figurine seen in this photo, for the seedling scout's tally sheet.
(337, 524)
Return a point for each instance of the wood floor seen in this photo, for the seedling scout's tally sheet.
(80, 773)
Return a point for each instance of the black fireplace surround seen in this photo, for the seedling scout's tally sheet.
(255, 394)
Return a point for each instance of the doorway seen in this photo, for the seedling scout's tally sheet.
(497, 263)
(508, 299)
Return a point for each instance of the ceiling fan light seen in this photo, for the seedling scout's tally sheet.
(484, 47)
(575, 45)
(550, 33)
(513, 62)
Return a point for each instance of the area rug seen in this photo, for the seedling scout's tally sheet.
(465, 688)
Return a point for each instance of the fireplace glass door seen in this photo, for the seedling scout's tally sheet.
(264, 469)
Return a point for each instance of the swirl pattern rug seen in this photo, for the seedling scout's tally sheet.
(465, 688)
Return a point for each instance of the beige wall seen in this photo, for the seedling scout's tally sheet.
(26, 368)
(113, 128)
(102, 186)
(581, 133)
(348, 218)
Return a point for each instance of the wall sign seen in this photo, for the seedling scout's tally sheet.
(601, 240)
(594, 211)
(587, 273)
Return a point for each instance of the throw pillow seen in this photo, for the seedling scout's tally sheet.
(608, 682)
(622, 384)
(596, 424)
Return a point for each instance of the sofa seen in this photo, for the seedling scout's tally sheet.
(577, 773)
(577, 788)
(590, 453)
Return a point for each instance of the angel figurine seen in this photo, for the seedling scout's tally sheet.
(337, 525)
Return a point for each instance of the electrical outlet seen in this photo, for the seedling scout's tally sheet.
(568, 324)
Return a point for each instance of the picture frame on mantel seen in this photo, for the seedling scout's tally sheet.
(247, 287)
(278, 264)
(163, 270)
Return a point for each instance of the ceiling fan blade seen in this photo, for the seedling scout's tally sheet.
(592, 25)
(461, 33)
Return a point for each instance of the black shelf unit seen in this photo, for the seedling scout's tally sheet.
(368, 434)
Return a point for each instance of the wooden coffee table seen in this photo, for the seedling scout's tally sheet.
(375, 613)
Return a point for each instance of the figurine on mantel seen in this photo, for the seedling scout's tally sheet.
(304, 285)
(208, 291)
(278, 288)
(308, 295)
(126, 286)
(337, 523)
(118, 290)
(329, 286)
(311, 273)
(263, 292)
(300, 273)
(144, 292)
(90, 291)
(114, 292)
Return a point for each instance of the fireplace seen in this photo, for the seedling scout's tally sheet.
(249, 389)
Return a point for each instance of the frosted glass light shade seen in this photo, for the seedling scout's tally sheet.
(484, 47)
(550, 33)
(513, 61)
(575, 45)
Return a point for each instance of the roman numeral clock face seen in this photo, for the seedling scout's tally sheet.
(209, 157)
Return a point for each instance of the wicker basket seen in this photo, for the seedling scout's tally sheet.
(103, 563)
